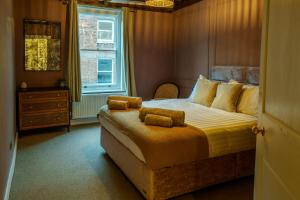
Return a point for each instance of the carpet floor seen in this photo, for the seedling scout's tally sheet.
(53, 165)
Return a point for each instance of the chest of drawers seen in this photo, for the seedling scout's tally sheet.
(42, 108)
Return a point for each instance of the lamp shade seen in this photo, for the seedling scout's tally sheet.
(160, 3)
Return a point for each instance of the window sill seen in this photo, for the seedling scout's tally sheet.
(104, 93)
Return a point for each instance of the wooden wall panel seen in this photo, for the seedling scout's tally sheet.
(191, 43)
(215, 33)
(51, 10)
(237, 33)
(153, 50)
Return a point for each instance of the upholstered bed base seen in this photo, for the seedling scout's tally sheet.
(176, 180)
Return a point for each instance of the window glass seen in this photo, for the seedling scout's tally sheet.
(105, 25)
(105, 65)
(105, 77)
(105, 32)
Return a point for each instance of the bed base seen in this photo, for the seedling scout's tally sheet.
(173, 181)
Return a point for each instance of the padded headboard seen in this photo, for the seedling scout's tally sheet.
(242, 74)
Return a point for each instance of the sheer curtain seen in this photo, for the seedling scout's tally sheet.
(73, 63)
(128, 50)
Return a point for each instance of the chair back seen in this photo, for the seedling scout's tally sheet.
(166, 90)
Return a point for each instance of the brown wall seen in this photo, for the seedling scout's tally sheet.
(7, 91)
(153, 45)
(215, 32)
(237, 35)
(168, 46)
(153, 50)
(51, 10)
(191, 42)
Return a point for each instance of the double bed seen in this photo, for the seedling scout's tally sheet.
(215, 146)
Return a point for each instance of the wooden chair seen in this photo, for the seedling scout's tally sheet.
(166, 90)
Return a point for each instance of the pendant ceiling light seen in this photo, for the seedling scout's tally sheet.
(160, 3)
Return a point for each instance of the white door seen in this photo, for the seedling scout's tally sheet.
(277, 173)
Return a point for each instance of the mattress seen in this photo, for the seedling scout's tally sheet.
(226, 132)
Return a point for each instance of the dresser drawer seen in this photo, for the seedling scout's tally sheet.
(44, 106)
(43, 95)
(44, 120)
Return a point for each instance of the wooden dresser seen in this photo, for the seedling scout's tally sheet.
(43, 107)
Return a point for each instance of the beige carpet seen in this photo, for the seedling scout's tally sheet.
(55, 165)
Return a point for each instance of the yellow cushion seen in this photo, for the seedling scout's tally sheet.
(248, 101)
(227, 96)
(204, 92)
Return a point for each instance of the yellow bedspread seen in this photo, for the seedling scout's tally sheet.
(161, 147)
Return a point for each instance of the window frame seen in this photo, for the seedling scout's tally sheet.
(119, 83)
(112, 40)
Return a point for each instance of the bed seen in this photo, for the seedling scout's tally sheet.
(224, 151)
(230, 150)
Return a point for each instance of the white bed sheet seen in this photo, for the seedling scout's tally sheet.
(226, 132)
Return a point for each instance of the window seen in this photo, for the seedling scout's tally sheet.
(105, 71)
(100, 50)
(105, 31)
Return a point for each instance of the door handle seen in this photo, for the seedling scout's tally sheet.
(258, 130)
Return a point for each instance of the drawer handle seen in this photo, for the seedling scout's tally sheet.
(58, 95)
(30, 107)
(30, 97)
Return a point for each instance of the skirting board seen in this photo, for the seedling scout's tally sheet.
(91, 120)
(11, 170)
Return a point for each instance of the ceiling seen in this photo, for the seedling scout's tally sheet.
(139, 4)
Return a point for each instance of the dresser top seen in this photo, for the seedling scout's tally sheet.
(41, 89)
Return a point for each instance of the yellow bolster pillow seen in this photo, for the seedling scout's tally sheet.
(117, 105)
(133, 102)
(176, 116)
(158, 120)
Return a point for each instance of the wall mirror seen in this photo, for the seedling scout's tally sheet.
(42, 45)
